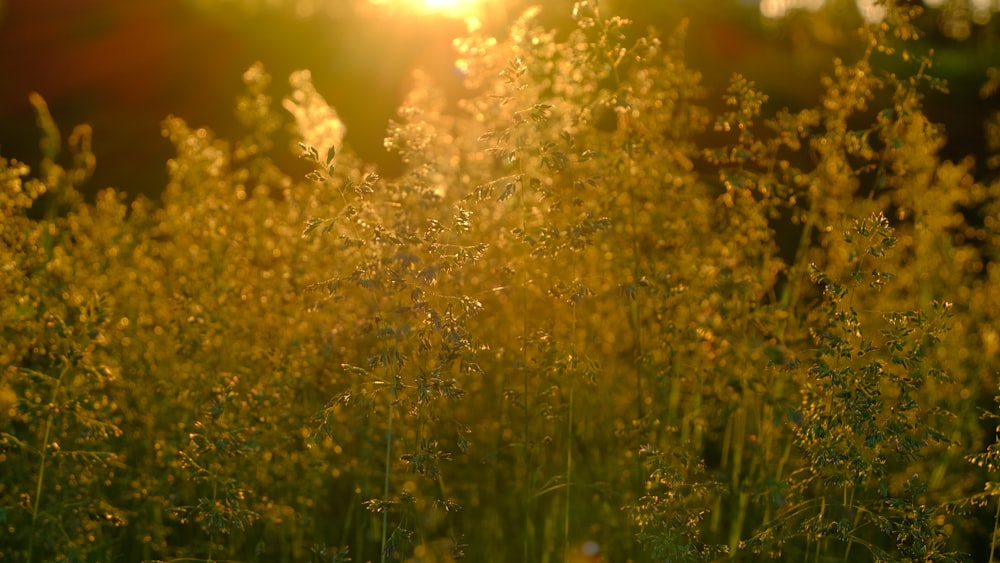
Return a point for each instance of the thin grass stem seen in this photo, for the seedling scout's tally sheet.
(40, 481)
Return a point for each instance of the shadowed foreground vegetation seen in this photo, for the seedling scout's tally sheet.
(591, 314)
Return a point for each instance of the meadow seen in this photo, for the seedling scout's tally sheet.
(592, 319)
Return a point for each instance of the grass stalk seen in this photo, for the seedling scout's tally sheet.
(569, 468)
(525, 335)
(849, 505)
(394, 369)
(821, 540)
(211, 535)
(996, 529)
(739, 439)
(635, 315)
(42, 452)
(388, 470)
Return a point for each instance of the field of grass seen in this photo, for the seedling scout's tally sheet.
(593, 320)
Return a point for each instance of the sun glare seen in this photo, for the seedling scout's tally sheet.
(448, 8)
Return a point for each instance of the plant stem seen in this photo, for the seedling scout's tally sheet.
(524, 367)
(993, 540)
(635, 318)
(388, 459)
(211, 534)
(44, 458)
(569, 469)
(819, 541)
(388, 469)
(738, 441)
(634, 314)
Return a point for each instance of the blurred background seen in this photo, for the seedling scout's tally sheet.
(124, 65)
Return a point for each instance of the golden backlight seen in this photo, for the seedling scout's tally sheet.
(448, 8)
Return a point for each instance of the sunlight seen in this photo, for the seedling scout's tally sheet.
(774, 9)
(447, 8)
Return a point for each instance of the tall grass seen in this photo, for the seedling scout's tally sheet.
(598, 311)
